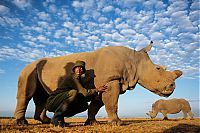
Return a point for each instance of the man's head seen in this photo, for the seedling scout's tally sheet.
(79, 67)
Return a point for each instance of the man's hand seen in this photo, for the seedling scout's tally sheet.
(101, 88)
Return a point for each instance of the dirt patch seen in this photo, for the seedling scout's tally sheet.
(130, 125)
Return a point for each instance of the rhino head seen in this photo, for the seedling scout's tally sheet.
(153, 77)
(152, 114)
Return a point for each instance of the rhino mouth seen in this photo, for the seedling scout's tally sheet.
(163, 93)
(168, 90)
(166, 93)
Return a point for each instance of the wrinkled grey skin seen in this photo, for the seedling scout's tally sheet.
(117, 67)
(171, 106)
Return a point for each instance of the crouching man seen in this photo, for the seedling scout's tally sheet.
(71, 97)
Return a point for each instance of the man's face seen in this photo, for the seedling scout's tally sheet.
(78, 70)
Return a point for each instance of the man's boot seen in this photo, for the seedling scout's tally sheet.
(58, 118)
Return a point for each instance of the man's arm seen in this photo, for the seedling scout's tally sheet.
(89, 92)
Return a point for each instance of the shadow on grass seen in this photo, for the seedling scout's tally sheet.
(183, 128)
(128, 122)
(124, 122)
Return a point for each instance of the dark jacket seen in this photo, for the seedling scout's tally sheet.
(73, 81)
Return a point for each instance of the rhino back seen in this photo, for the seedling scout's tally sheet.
(27, 74)
(114, 63)
(103, 65)
(185, 105)
(172, 106)
(56, 69)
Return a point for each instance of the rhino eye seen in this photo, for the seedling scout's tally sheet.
(158, 68)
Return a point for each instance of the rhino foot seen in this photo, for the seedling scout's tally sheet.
(91, 122)
(23, 122)
(165, 118)
(116, 122)
(44, 120)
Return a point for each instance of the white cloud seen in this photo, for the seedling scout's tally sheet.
(102, 19)
(128, 3)
(96, 14)
(173, 27)
(43, 24)
(44, 16)
(85, 5)
(4, 10)
(41, 38)
(122, 26)
(159, 5)
(157, 36)
(85, 17)
(107, 36)
(81, 35)
(59, 33)
(94, 38)
(10, 22)
(107, 9)
(68, 25)
(118, 37)
(53, 8)
(108, 26)
(169, 45)
(177, 6)
(22, 4)
(13, 53)
(195, 5)
(34, 45)
(2, 71)
(128, 32)
(194, 17)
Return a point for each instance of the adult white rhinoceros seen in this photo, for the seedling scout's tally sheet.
(171, 106)
(120, 68)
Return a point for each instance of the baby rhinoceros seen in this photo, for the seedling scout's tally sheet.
(171, 106)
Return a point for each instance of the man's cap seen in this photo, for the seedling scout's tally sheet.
(79, 64)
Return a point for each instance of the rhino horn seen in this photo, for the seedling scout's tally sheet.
(178, 73)
(147, 48)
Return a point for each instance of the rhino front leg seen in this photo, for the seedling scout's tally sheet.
(191, 114)
(93, 109)
(185, 114)
(110, 100)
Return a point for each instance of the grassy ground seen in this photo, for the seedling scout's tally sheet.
(131, 125)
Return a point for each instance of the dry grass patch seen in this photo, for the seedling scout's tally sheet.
(131, 125)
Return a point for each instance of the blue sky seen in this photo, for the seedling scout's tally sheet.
(30, 30)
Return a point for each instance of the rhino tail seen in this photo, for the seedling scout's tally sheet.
(39, 68)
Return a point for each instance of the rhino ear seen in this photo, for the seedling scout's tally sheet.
(164, 67)
(147, 48)
(178, 73)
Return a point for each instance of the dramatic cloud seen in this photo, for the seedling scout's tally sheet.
(78, 26)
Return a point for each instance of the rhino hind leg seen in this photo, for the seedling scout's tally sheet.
(20, 111)
(185, 114)
(110, 100)
(93, 109)
(39, 98)
(165, 115)
(26, 89)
